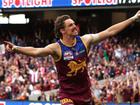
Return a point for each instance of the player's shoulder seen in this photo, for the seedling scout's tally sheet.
(94, 37)
(56, 49)
(53, 45)
(86, 38)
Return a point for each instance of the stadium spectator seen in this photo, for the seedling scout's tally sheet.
(66, 29)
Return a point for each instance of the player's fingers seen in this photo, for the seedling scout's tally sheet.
(8, 48)
(9, 44)
(6, 42)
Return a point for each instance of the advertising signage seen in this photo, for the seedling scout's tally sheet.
(10, 102)
(5, 4)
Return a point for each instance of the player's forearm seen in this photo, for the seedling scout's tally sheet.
(115, 29)
(31, 51)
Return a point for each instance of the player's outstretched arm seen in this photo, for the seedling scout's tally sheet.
(30, 51)
(115, 29)
(111, 31)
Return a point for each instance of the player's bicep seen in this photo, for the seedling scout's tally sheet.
(96, 38)
(88, 40)
(45, 51)
(54, 50)
(92, 38)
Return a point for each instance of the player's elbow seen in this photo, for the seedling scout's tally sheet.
(110, 33)
(113, 33)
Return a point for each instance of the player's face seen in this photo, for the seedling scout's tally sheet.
(70, 27)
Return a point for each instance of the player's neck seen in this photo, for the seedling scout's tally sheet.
(71, 41)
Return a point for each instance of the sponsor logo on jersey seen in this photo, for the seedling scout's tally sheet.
(68, 55)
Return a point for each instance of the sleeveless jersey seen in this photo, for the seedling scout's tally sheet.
(72, 71)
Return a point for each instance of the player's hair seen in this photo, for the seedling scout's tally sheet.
(59, 24)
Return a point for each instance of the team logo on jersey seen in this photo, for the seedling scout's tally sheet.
(68, 55)
(75, 67)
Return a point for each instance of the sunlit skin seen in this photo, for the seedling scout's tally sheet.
(69, 32)
(70, 28)
(68, 37)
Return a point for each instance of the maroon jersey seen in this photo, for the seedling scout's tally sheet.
(72, 72)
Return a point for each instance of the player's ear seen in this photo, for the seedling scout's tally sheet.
(62, 30)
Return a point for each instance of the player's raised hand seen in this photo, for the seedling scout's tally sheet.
(9, 46)
(136, 16)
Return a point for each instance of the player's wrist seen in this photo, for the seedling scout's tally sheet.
(15, 48)
(134, 18)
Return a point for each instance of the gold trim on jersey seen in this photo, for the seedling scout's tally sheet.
(75, 41)
(87, 50)
(60, 54)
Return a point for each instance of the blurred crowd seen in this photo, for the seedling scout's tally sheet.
(113, 68)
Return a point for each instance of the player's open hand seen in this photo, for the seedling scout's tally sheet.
(136, 16)
(9, 46)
